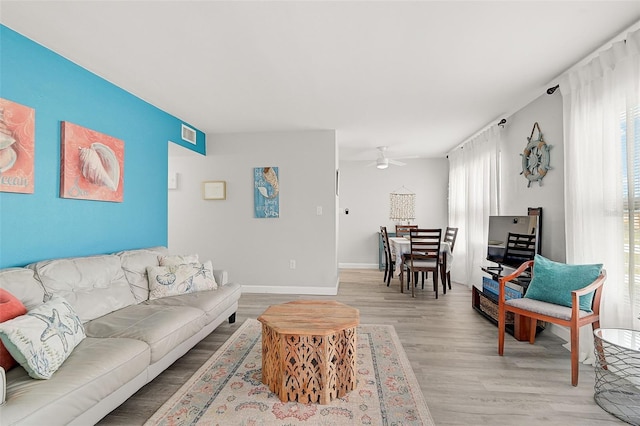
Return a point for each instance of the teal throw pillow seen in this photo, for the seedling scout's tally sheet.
(553, 282)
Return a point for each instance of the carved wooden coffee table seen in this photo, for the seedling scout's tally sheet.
(309, 350)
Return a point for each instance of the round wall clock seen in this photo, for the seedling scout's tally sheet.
(535, 159)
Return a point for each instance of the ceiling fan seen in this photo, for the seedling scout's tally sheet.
(382, 162)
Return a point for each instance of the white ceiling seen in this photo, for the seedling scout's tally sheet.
(419, 77)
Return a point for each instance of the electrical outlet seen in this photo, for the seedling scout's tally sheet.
(319, 210)
(292, 264)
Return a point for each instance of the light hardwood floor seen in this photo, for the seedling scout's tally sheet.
(452, 349)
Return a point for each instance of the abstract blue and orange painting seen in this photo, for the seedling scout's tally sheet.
(266, 193)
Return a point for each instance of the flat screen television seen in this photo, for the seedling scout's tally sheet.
(499, 229)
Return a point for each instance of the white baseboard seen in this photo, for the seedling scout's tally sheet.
(358, 266)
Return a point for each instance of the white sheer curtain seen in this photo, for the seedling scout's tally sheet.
(473, 197)
(602, 149)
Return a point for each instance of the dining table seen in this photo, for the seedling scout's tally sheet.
(400, 246)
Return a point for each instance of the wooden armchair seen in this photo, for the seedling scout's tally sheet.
(535, 310)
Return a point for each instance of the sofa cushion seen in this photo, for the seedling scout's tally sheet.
(10, 308)
(21, 282)
(161, 327)
(213, 303)
(135, 263)
(44, 338)
(93, 285)
(178, 279)
(96, 369)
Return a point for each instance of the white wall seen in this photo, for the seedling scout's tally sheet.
(365, 192)
(515, 196)
(257, 252)
(222, 230)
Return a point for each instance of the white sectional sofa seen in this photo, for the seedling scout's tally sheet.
(129, 338)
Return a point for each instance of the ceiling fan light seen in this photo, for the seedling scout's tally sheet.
(382, 163)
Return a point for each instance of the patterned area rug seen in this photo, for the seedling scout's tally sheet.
(227, 389)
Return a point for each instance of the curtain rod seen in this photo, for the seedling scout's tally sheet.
(553, 85)
(501, 123)
(621, 36)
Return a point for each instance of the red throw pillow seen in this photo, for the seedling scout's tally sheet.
(10, 307)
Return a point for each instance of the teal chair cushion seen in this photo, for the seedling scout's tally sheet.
(553, 282)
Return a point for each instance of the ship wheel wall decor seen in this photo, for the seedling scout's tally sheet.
(535, 159)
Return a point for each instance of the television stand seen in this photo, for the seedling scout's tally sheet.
(496, 273)
(486, 304)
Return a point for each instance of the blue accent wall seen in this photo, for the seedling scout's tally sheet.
(42, 225)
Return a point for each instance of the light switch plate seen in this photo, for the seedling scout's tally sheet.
(173, 181)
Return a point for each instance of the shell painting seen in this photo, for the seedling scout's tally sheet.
(99, 165)
(92, 165)
(271, 178)
(7, 155)
(267, 192)
(17, 130)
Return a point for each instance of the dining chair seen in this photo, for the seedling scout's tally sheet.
(450, 235)
(402, 230)
(519, 249)
(390, 262)
(423, 256)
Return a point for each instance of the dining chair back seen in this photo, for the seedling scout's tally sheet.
(402, 230)
(424, 255)
(450, 235)
(389, 260)
(520, 248)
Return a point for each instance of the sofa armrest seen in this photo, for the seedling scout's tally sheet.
(3, 386)
(221, 276)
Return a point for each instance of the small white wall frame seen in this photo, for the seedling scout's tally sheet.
(214, 190)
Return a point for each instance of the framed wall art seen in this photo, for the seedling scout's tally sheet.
(535, 158)
(214, 190)
(266, 192)
(17, 147)
(92, 164)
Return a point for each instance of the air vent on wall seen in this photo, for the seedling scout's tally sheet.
(188, 134)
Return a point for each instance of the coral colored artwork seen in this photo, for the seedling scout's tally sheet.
(17, 146)
(92, 164)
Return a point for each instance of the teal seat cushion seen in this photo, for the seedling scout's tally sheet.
(553, 282)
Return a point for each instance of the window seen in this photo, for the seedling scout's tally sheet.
(630, 143)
